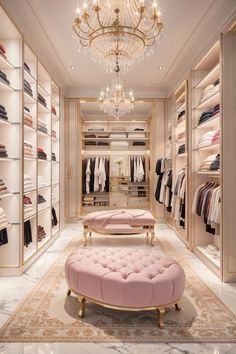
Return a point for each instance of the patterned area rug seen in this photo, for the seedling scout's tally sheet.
(48, 315)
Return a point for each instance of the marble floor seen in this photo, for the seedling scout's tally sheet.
(13, 290)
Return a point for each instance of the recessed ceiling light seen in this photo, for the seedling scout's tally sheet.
(152, 82)
(73, 67)
(160, 67)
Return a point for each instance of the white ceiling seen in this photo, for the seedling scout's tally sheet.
(189, 26)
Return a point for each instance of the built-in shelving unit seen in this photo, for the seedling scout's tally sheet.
(206, 123)
(115, 140)
(180, 157)
(29, 125)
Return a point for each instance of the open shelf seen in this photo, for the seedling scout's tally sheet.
(211, 101)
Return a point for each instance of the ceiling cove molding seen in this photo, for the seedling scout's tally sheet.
(210, 33)
(94, 93)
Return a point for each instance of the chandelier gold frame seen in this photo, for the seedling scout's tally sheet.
(123, 28)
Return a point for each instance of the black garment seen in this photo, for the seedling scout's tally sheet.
(53, 156)
(215, 165)
(4, 78)
(27, 233)
(54, 217)
(169, 185)
(139, 143)
(103, 143)
(159, 181)
(90, 143)
(92, 168)
(3, 237)
(181, 114)
(107, 168)
(42, 156)
(41, 199)
(27, 68)
(84, 165)
(42, 100)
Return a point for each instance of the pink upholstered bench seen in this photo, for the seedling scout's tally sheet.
(120, 221)
(125, 279)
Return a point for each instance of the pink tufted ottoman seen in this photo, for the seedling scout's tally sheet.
(121, 221)
(125, 279)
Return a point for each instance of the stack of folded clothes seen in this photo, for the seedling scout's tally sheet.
(3, 187)
(210, 138)
(28, 207)
(54, 111)
(28, 120)
(181, 149)
(40, 233)
(120, 143)
(28, 184)
(54, 133)
(41, 199)
(181, 116)
(3, 77)
(28, 149)
(42, 100)
(3, 151)
(120, 136)
(139, 143)
(209, 114)
(210, 90)
(41, 154)
(211, 163)
(27, 68)
(215, 165)
(3, 112)
(96, 129)
(136, 135)
(42, 182)
(42, 126)
(90, 143)
(103, 143)
(27, 88)
(54, 157)
(139, 129)
(3, 51)
(3, 230)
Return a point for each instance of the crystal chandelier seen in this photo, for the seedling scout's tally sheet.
(111, 28)
(113, 100)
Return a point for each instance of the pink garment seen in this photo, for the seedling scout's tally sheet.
(133, 217)
(125, 276)
(216, 137)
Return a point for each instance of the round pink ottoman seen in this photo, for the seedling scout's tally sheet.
(125, 279)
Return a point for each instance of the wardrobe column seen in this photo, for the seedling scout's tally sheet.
(228, 156)
(72, 160)
(157, 148)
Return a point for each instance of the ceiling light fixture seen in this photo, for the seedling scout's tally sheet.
(73, 67)
(160, 67)
(126, 29)
(113, 100)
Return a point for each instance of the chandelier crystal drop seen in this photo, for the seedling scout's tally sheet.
(123, 28)
(113, 100)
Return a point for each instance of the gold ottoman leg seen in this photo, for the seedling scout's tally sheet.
(177, 307)
(68, 292)
(161, 317)
(152, 236)
(85, 234)
(81, 306)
